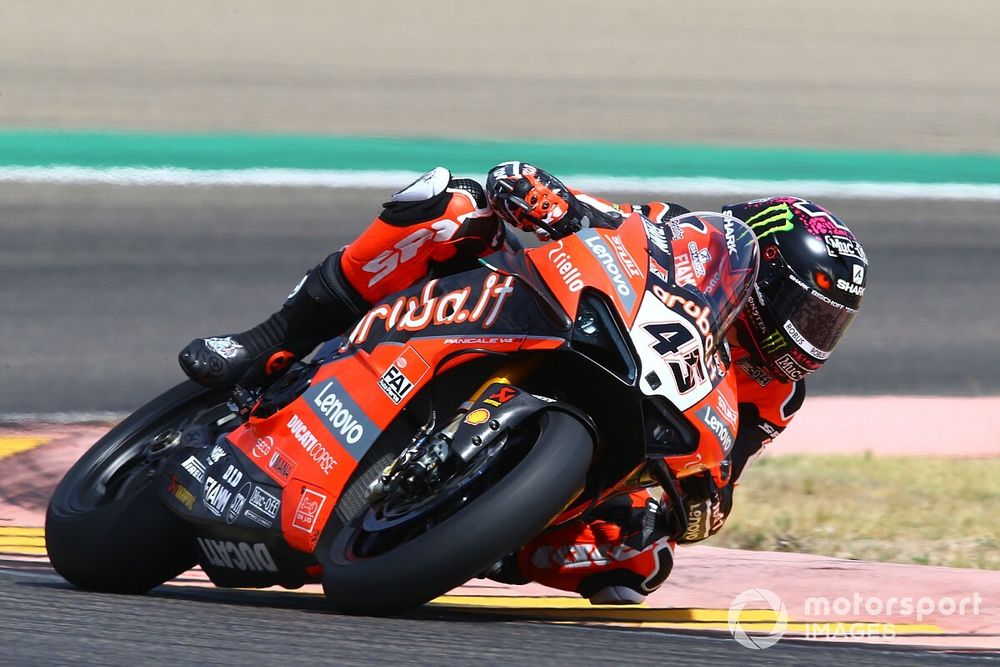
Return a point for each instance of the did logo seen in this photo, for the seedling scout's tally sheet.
(761, 626)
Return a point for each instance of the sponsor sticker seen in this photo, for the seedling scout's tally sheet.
(568, 271)
(233, 475)
(841, 246)
(756, 373)
(477, 417)
(481, 340)
(343, 417)
(501, 396)
(244, 556)
(595, 243)
(218, 453)
(728, 413)
(768, 428)
(791, 367)
(801, 341)
(180, 493)
(239, 501)
(263, 446)
(730, 230)
(264, 502)
(216, 496)
(281, 465)
(406, 371)
(625, 257)
(258, 519)
(307, 513)
(195, 468)
(717, 426)
(317, 451)
(683, 270)
(227, 347)
(429, 309)
(699, 258)
(659, 271)
(850, 288)
(658, 236)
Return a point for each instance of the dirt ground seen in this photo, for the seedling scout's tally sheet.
(894, 74)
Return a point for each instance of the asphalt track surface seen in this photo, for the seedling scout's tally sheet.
(48, 622)
(100, 286)
(893, 74)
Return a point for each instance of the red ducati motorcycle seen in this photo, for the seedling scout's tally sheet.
(457, 421)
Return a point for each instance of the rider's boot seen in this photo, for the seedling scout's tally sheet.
(321, 306)
(618, 556)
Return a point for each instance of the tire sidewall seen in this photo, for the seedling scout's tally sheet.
(132, 543)
(503, 518)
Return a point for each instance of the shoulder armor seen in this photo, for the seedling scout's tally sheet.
(428, 186)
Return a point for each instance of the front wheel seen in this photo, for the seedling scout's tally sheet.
(369, 573)
(106, 529)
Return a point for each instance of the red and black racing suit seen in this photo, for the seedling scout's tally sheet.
(448, 230)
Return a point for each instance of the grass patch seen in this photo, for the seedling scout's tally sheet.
(898, 510)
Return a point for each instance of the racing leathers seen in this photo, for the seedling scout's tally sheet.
(623, 548)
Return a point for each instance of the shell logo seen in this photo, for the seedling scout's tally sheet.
(477, 417)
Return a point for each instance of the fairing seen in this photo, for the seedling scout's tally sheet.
(283, 471)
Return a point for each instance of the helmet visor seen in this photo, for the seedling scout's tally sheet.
(811, 319)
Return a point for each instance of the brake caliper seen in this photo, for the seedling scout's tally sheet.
(417, 469)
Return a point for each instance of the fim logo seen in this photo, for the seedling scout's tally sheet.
(761, 626)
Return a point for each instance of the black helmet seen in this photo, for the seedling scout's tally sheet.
(532, 199)
(812, 276)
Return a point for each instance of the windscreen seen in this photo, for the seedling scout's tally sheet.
(715, 257)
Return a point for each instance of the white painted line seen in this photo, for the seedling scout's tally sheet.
(308, 178)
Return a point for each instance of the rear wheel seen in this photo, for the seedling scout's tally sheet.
(382, 565)
(105, 528)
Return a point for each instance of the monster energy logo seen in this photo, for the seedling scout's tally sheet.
(774, 341)
(772, 219)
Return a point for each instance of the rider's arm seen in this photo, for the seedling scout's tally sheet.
(766, 407)
(765, 411)
(609, 214)
(436, 220)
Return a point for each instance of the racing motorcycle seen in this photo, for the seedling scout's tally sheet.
(458, 420)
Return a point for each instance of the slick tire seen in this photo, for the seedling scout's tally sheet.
(503, 518)
(122, 542)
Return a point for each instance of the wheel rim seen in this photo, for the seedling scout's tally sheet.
(376, 532)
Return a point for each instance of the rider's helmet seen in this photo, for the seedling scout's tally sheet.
(532, 200)
(812, 277)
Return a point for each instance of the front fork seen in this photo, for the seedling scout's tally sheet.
(422, 462)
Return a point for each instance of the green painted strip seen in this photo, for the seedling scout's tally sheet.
(38, 148)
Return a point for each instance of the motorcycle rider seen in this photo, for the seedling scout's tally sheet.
(810, 284)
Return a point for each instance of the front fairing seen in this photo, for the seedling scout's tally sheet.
(676, 287)
(702, 267)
